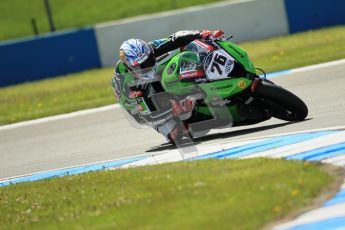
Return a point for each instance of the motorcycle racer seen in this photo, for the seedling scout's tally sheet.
(137, 55)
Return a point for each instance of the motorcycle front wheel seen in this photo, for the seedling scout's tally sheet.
(282, 104)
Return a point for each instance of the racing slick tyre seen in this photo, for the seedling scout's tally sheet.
(282, 104)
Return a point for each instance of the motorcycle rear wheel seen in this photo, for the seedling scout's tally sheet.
(283, 104)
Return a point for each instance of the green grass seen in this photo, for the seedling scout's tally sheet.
(92, 88)
(207, 194)
(16, 15)
(54, 96)
(297, 50)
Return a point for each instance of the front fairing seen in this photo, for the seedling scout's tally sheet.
(239, 54)
(200, 56)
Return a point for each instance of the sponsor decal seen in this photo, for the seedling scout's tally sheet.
(187, 66)
(218, 102)
(221, 87)
(191, 74)
(224, 87)
(136, 102)
(139, 108)
(242, 84)
(200, 80)
(229, 66)
(204, 45)
(171, 68)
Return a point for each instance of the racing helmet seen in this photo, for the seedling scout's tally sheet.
(136, 53)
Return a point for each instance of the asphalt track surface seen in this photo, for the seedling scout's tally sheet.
(108, 135)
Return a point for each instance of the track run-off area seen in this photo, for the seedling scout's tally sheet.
(103, 138)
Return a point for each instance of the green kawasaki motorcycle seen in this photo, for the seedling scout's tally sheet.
(223, 83)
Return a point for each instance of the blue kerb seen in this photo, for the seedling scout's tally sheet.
(320, 153)
(339, 198)
(334, 223)
(263, 145)
(71, 171)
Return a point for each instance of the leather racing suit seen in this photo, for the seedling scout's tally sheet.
(163, 121)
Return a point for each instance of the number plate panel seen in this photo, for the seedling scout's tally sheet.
(218, 65)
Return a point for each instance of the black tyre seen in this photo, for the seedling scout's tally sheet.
(282, 104)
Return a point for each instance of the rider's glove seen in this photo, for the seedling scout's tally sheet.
(134, 94)
(177, 108)
(188, 104)
(212, 35)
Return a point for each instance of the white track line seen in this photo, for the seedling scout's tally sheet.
(110, 107)
(337, 160)
(76, 166)
(318, 66)
(59, 117)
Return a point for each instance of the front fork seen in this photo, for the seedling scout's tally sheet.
(256, 80)
(254, 109)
